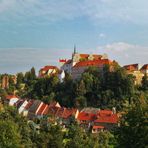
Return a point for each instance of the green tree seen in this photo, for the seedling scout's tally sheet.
(145, 83)
(9, 135)
(134, 127)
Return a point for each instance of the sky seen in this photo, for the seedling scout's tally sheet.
(39, 32)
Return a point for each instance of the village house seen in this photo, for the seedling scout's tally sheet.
(11, 100)
(22, 106)
(144, 69)
(27, 107)
(48, 71)
(134, 69)
(63, 115)
(97, 120)
(106, 120)
(34, 108)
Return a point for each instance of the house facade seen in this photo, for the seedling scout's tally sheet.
(48, 71)
(11, 100)
(134, 69)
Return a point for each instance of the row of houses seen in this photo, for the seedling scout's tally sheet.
(88, 118)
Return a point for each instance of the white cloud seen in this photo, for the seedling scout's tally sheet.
(97, 10)
(125, 53)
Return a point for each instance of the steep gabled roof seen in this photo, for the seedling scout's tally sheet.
(34, 106)
(29, 104)
(144, 67)
(106, 116)
(19, 103)
(107, 119)
(42, 109)
(83, 116)
(9, 97)
(46, 68)
(132, 67)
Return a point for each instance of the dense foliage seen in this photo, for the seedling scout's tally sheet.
(16, 131)
(96, 89)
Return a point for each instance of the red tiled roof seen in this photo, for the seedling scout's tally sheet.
(107, 119)
(86, 116)
(98, 127)
(46, 68)
(105, 113)
(29, 104)
(60, 111)
(53, 110)
(144, 67)
(68, 112)
(93, 63)
(132, 67)
(41, 110)
(9, 97)
(46, 111)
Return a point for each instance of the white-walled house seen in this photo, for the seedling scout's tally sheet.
(61, 75)
(11, 100)
(22, 107)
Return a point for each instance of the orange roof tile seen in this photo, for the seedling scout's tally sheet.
(9, 97)
(98, 127)
(132, 67)
(93, 63)
(107, 119)
(45, 68)
(144, 67)
(83, 116)
(29, 104)
(41, 110)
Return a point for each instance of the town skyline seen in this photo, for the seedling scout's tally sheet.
(37, 33)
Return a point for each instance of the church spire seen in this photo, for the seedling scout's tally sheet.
(75, 49)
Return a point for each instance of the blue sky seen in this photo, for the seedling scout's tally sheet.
(39, 32)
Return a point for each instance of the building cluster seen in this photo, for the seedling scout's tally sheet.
(88, 118)
(80, 62)
(137, 71)
(76, 65)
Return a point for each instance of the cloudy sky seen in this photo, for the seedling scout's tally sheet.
(39, 32)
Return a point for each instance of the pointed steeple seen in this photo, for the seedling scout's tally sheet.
(75, 49)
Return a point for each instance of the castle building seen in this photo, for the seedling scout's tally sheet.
(80, 62)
